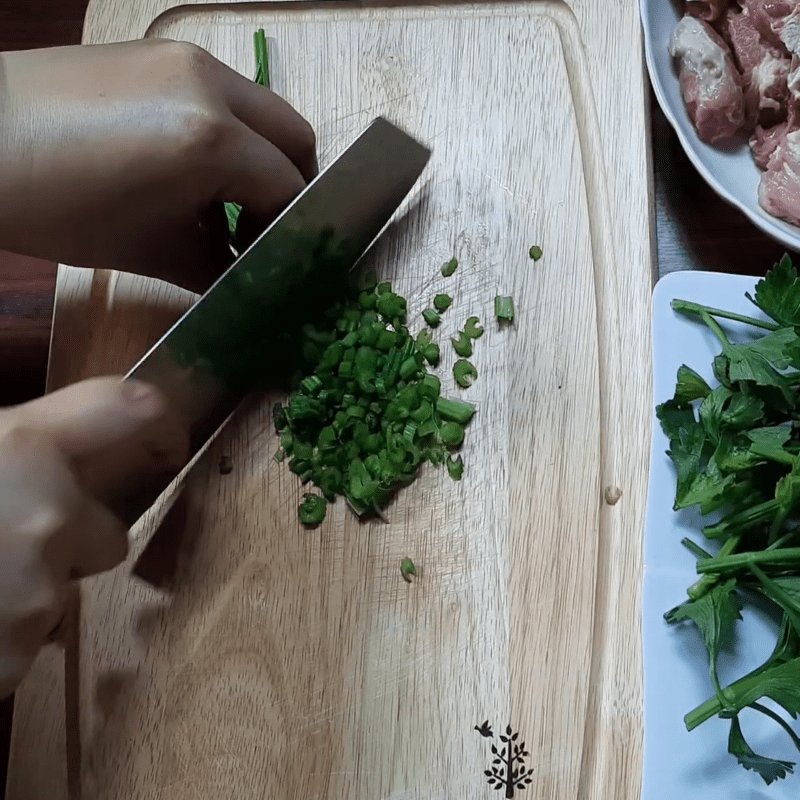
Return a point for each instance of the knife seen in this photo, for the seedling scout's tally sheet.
(207, 362)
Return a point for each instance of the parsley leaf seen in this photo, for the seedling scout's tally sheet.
(674, 417)
(778, 347)
(768, 443)
(778, 293)
(690, 386)
(714, 614)
(746, 364)
(770, 769)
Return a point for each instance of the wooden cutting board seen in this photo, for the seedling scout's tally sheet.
(294, 664)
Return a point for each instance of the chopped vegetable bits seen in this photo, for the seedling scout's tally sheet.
(368, 414)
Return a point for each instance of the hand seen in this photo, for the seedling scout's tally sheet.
(119, 156)
(58, 457)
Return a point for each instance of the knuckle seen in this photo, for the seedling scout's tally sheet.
(307, 138)
(188, 57)
(203, 134)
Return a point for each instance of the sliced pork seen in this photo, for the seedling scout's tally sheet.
(769, 17)
(764, 141)
(708, 10)
(763, 69)
(710, 84)
(779, 188)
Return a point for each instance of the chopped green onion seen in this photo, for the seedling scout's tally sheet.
(311, 384)
(407, 569)
(504, 308)
(367, 414)
(455, 410)
(312, 509)
(464, 372)
(473, 329)
(535, 252)
(430, 387)
(442, 302)
(450, 267)
(452, 434)
(463, 345)
(431, 354)
(455, 467)
(431, 317)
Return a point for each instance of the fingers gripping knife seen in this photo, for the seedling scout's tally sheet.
(206, 363)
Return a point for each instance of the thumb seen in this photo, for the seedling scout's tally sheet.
(90, 416)
(116, 432)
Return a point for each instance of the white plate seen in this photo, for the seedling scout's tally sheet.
(679, 765)
(731, 173)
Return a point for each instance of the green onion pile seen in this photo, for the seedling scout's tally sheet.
(368, 413)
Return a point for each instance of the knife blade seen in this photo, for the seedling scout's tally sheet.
(205, 364)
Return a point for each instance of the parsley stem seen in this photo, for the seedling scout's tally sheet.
(687, 307)
(780, 720)
(732, 563)
(695, 548)
(715, 326)
(705, 584)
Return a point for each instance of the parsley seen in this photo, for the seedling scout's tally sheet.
(736, 451)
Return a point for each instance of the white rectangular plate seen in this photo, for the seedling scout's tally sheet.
(680, 765)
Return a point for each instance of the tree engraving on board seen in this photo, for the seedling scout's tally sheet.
(507, 770)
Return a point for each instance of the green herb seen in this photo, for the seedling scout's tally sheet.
(463, 344)
(407, 569)
(450, 267)
(431, 317)
(455, 467)
(736, 451)
(452, 434)
(366, 415)
(504, 308)
(535, 252)
(464, 372)
(312, 509)
(442, 302)
(473, 329)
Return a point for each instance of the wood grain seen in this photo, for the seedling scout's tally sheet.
(299, 664)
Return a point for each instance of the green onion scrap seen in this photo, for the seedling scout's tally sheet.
(463, 344)
(407, 569)
(312, 509)
(464, 372)
(442, 302)
(473, 329)
(431, 317)
(455, 467)
(450, 267)
(504, 308)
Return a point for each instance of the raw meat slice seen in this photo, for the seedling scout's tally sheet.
(708, 10)
(769, 17)
(764, 141)
(779, 188)
(763, 68)
(710, 83)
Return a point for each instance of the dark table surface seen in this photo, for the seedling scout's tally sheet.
(695, 230)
